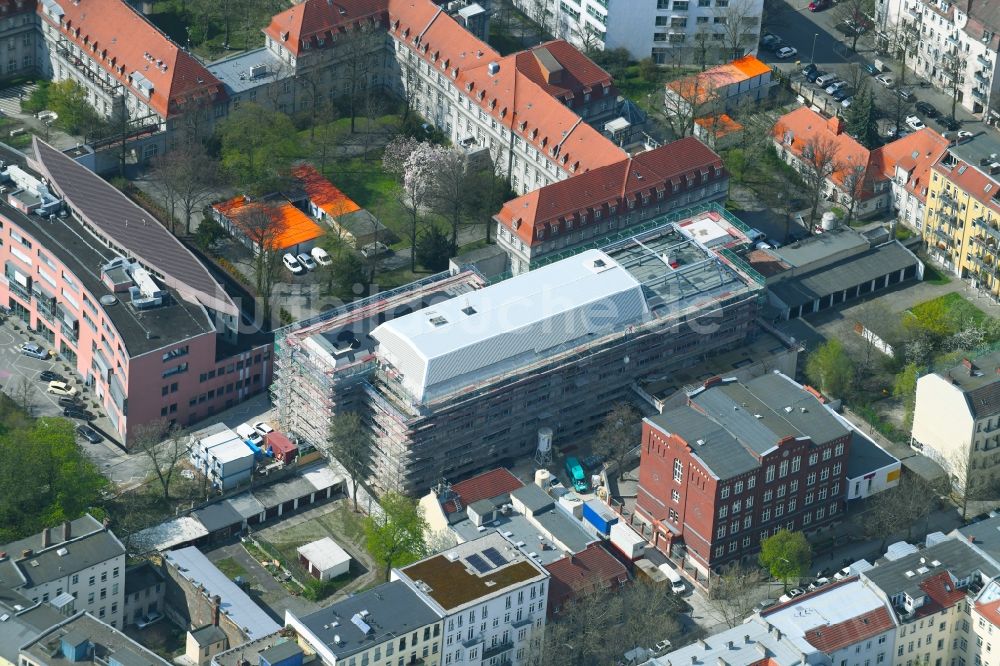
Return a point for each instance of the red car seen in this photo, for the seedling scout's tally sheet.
(818, 5)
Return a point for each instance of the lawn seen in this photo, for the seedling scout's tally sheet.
(934, 275)
(231, 568)
(202, 22)
(947, 314)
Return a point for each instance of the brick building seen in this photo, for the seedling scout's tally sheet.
(737, 464)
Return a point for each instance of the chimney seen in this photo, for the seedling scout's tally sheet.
(835, 125)
(46, 537)
(216, 606)
(26, 553)
(968, 365)
(746, 639)
(67, 530)
(106, 523)
(712, 381)
(702, 643)
(729, 644)
(694, 659)
(723, 662)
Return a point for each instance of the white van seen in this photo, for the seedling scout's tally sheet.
(247, 432)
(676, 582)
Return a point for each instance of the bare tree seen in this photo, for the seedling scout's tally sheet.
(448, 190)
(702, 45)
(953, 73)
(350, 444)
(971, 481)
(856, 182)
(907, 504)
(819, 163)
(23, 394)
(687, 99)
(734, 592)
(540, 16)
(856, 15)
(360, 48)
(739, 19)
(618, 435)
(261, 224)
(164, 445)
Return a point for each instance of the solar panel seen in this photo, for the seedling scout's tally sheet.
(494, 556)
(478, 563)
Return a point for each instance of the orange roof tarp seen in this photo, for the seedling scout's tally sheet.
(323, 193)
(296, 226)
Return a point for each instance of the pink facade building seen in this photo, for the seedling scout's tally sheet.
(119, 298)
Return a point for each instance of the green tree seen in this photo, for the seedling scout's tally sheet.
(208, 233)
(433, 249)
(69, 100)
(905, 388)
(618, 435)
(348, 271)
(830, 368)
(862, 118)
(786, 555)
(395, 535)
(257, 148)
(350, 444)
(38, 100)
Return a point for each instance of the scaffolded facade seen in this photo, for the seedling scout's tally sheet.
(699, 301)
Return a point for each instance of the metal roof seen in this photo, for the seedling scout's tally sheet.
(721, 452)
(324, 553)
(865, 456)
(134, 230)
(110, 644)
(244, 613)
(589, 294)
(184, 529)
(217, 516)
(907, 573)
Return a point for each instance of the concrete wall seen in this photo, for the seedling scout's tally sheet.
(942, 424)
(191, 608)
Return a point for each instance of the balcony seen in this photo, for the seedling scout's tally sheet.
(986, 266)
(947, 200)
(984, 242)
(991, 229)
(982, 76)
(984, 62)
(497, 649)
(944, 237)
(914, 11)
(979, 94)
(111, 89)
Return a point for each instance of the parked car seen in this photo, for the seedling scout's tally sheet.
(292, 264)
(249, 433)
(843, 573)
(825, 80)
(49, 376)
(965, 134)
(950, 123)
(835, 86)
(34, 351)
(662, 646)
(926, 109)
(786, 52)
(818, 5)
(320, 256)
(592, 463)
(148, 620)
(818, 583)
(915, 122)
(262, 428)
(771, 42)
(791, 594)
(89, 434)
(846, 102)
(811, 67)
(812, 76)
(871, 69)
(61, 388)
(374, 249)
(762, 605)
(78, 413)
(905, 95)
(69, 401)
(886, 79)
(307, 261)
(841, 94)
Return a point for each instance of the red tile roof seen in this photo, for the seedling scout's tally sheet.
(647, 173)
(990, 611)
(942, 592)
(833, 637)
(969, 178)
(915, 154)
(324, 194)
(795, 129)
(123, 43)
(579, 75)
(306, 24)
(489, 484)
(592, 569)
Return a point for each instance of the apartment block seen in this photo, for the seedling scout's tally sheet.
(390, 622)
(77, 566)
(452, 375)
(84, 639)
(956, 419)
(119, 298)
(668, 31)
(736, 465)
(491, 597)
(949, 39)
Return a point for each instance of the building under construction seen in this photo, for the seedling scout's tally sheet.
(454, 375)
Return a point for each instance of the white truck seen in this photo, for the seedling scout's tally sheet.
(676, 582)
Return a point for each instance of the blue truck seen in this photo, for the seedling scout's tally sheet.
(576, 476)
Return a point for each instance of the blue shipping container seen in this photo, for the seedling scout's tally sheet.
(599, 515)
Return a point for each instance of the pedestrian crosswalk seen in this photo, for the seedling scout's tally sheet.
(10, 98)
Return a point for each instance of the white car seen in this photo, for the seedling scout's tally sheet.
(61, 388)
(915, 122)
(262, 428)
(847, 102)
(834, 87)
(886, 80)
(249, 433)
(842, 574)
(292, 264)
(786, 52)
(965, 134)
(662, 646)
(321, 256)
(374, 249)
(307, 261)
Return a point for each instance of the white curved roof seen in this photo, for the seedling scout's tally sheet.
(435, 348)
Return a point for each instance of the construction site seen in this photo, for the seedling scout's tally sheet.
(454, 375)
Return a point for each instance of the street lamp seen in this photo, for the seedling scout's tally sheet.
(812, 58)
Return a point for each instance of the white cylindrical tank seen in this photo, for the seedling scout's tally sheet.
(544, 440)
(830, 221)
(542, 478)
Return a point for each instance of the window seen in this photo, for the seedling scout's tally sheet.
(813, 458)
(793, 487)
(751, 483)
(783, 469)
(796, 463)
(765, 515)
(781, 490)
(839, 449)
(724, 493)
(723, 511)
(836, 469)
(721, 532)
(769, 474)
(678, 470)
(737, 487)
(811, 479)
(827, 453)
(768, 495)
(824, 474)
(675, 496)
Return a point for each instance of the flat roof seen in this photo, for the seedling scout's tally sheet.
(108, 643)
(246, 505)
(865, 456)
(230, 450)
(820, 246)
(117, 217)
(324, 553)
(21, 627)
(249, 651)
(248, 70)
(907, 573)
(141, 577)
(524, 315)
(83, 254)
(168, 534)
(195, 567)
(370, 618)
(984, 535)
(453, 578)
(740, 645)
(218, 516)
(844, 274)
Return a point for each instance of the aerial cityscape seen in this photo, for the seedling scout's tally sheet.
(500, 332)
